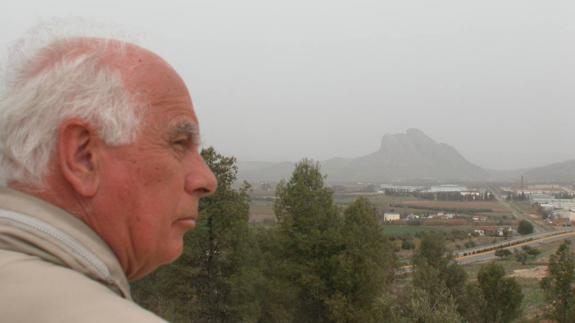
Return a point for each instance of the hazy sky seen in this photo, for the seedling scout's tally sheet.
(284, 80)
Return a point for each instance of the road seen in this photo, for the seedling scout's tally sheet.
(487, 253)
(516, 212)
(481, 255)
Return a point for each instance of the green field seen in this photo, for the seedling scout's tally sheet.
(406, 229)
(261, 209)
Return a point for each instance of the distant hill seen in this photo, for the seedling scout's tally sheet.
(267, 172)
(407, 156)
(559, 172)
(410, 157)
(563, 172)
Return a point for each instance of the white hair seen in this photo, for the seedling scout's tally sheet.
(35, 101)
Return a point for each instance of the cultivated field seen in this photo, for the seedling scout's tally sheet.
(494, 206)
(397, 230)
(261, 211)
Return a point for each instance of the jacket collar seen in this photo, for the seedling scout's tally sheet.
(34, 226)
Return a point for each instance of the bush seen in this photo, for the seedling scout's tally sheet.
(525, 227)
(407, 244)
(503, 253)
(531, 251)
(526, 253)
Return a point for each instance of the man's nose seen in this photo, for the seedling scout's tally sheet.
(201, 180)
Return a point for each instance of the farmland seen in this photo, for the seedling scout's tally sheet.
(455, 206)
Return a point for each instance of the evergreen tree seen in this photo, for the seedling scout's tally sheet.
(503, 253)
(278, 295)
(558, 285)
(419, 306)
(223, 251)
(526, 253)
(308, 228)
(338, 265)
(525, 227)
(436, 270)
(472, 305)
(364, 269)
(494, 298)
(304, 204)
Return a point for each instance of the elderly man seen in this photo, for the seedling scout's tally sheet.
(99, 151)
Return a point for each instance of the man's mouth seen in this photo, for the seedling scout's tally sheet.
(187, 222)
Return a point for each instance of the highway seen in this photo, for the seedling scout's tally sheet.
(517, 213)
(487, 253)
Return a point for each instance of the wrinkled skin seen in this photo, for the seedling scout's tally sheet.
(140, 198)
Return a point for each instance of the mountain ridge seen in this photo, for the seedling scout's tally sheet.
(408, 157)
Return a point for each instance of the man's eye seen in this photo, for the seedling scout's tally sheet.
(182, 143)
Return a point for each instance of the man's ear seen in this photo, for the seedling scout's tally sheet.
(79, 152)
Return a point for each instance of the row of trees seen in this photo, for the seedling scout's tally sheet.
(564, 195)
(441, 196)
(512, 196)
(319, 263)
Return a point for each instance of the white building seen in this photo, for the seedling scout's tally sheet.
(389, 216)
(447, 188)
(413, 216)
(473, 194)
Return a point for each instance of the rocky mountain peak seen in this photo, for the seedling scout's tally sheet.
(411, 139)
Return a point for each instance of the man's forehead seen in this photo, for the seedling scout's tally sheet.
(144, 74)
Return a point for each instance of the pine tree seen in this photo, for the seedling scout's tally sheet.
(558, 285)
(437, 285)
(308, 228)
(222, 251)
(494, 298)
(364, 269)
(338, 265)
(435, 270)
(417, 305)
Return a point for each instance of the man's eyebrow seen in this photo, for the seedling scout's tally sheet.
(188, 129)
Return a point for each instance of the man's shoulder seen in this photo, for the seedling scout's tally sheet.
(34, 290)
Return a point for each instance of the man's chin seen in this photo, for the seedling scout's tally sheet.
(168, 258)
(175, 252)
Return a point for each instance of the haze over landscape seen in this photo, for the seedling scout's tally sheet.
(445, 130)
(411, 157)
(324, 79)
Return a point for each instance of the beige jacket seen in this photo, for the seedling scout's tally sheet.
(54, 268)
